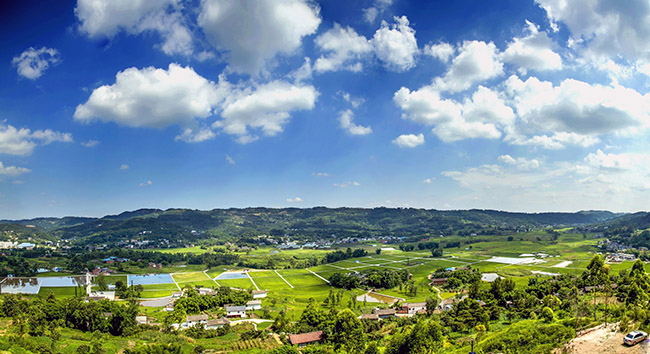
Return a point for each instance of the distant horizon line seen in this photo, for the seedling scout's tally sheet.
(327, 207)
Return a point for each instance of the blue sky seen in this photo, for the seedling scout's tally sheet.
(534, 105)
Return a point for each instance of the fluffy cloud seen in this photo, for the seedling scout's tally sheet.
(192, 135)
(294, 200)
(578, 107)
(158, 98)
(395, 44)
(519, 162)
(533, 52)
(12, 171)
(370, 14)
(602, 28)
(252, 32)
(230, 160)
(344, 48)
(483, 115)
(428, 180)
(124, 167)
(346, 122)
(409, 140)
(145, 184)
(22, 141)
(476, 61)
(106, 18)
(152, 97)
(265, 107)
(32, 63)
(441, 51)
(616, 180)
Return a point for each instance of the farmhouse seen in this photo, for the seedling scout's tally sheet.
(413, 308)
(206, 291)
(196, 320)
(254, 305)
(214, 324)
(169, 307)
(304, 339)
(369, 317)
(438, 281)
(384, 313)
(235, 311)
(142, 320)
(258, 294)
(176, 294)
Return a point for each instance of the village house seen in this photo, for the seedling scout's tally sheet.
(384, 313)
(214, 324)
(194, 320)
(446, 304)
(413, 308)
(304, 339)
(258, 294)
(206, 291)
(177, 294)
(235, 311)
(169, 307)
(254, 305)
(438, 281)
(369, 317)
(141, 320)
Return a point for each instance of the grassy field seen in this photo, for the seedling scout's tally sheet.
(158, 290)
(194, 279)
(58, 292)
(268, 280)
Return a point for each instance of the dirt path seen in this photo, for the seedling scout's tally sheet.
(604, 340)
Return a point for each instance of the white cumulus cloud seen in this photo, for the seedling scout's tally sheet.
(252, 32)
(14, 141)
(533, 52)
(152, 97)
(441, 51)
(106, 18)
(346, 122)
(294, 200)
(409, 140)
(32, 63)
(344, 48)
(476, 61)
(12, 171)
(395, 44)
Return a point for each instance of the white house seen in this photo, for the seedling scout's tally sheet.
(206, 291)
(235, 311)
(141, 319)
(196, 320)
(214, 324)
(413, 307)
(258, 294)
(254, 305)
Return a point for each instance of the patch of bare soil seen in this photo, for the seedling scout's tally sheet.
(603, 339)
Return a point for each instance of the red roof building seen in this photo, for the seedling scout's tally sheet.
(303, 339)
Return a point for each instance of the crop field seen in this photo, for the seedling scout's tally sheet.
(194, 279)
(268, 280)
(158, 290)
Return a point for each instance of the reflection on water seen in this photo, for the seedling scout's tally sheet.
(150, 279)
(20, 285)
(33, 285)
(58, 282)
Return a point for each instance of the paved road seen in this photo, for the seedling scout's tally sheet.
(161, 302)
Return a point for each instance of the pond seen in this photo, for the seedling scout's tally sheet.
(232, 275)
(20, 286)
(62, 282)
(150, 279)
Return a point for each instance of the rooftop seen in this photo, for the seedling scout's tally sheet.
(306, 337)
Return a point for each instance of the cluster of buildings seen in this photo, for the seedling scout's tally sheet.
(619, 257)
(7, 245)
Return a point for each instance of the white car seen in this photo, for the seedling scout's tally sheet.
(635, 337)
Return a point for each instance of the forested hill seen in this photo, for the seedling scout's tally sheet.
(188, 224)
